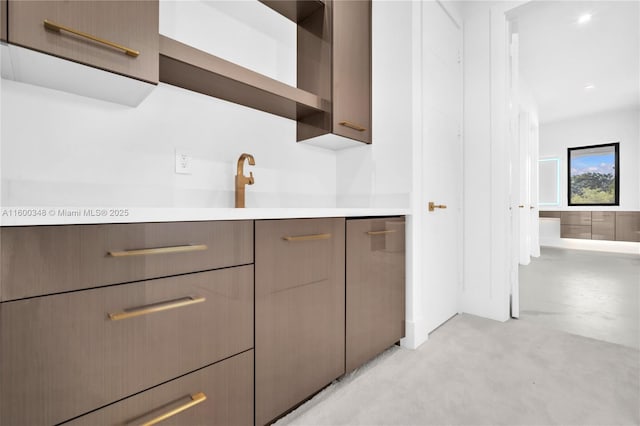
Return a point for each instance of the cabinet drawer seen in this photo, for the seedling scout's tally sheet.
(575, 218)
(576, 231)
(627, 226)
(299, 311)
(133, 24)
(227, 386)
(375, 287)
(64, 355)
(603, 226)
(40, 260)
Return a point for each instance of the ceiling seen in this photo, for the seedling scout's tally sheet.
(559, 56)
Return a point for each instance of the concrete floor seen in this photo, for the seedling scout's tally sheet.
(474, 371)
(589, 293)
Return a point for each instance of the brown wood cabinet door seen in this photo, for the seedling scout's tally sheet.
(603, 226)
(133, 24)
(575, 218)
(64, 355)
(227, 387)
(352, 69)
(299, 306)
(375, 287)
(628, 226)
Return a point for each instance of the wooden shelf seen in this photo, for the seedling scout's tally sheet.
(295, 10)
(187, 67)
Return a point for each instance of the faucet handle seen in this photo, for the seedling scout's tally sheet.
(251, 180)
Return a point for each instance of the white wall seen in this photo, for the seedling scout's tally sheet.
(65, 150)
(612, 126)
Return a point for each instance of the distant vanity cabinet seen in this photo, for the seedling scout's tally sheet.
(117, 36)
(375, 287)
(598, 225)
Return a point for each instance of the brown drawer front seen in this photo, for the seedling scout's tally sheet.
(63, 356)
(375, 287)
(603, 226)
(628, 226)
(299, 311)
(219, 395)
(40, 260)
(575, 218)
(575, 231)
(550, 214)
(132, 24)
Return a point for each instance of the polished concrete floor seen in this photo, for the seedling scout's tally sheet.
(474, 371)
(589, 293)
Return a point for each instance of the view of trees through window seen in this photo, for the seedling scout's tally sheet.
(593, 175)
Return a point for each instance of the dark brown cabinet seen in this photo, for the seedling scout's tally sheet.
(83, 327)
(603, 226)
(375, 287)
(218, 395)
(628, 226)
(334, 61)
(111, 342)
(299, 311)
(117, 36)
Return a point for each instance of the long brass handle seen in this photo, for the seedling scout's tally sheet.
(521, 206)
(196, 399)
(307, 237)
(353, 126)
(433, 206)
(158, 250)
(156, 307)
(389, 231)
(57, 27)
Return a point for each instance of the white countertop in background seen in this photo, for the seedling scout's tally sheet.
(27, 216)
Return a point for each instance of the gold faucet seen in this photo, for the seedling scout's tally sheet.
(242, 180)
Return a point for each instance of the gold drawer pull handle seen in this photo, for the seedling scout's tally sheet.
(196, 399)
(307, 237)
(390, 231)
(353, 126)
(433, 206)
(159, 250)
(57, 27)
(156, 307)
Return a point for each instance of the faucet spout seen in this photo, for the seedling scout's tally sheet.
(242, 180)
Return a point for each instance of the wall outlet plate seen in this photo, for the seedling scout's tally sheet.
(184, 163)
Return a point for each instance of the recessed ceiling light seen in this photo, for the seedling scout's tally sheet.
(585, 18)
(589, 87)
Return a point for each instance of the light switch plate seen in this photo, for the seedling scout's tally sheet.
(184, 163)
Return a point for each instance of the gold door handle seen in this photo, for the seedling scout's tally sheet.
(307, 237)
(433, 206)
(390, 231)
(521, 206)
(156, 307)
(196, 399)
(57, 27)
(353, 126)
(531, 207)
(158, 250)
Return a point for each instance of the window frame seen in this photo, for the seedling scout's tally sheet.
(616, 146)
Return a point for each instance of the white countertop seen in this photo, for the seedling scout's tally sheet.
(28, 216)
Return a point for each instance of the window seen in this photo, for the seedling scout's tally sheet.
(594, 175)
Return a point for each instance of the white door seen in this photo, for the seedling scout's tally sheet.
(441, 162)
(524, 187)
(516, 205)
(534, 249)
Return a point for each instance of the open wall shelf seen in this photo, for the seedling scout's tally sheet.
(187, 67)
